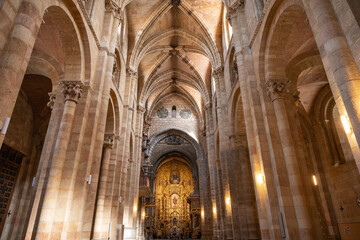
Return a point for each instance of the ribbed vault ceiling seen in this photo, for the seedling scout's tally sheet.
(174, 45)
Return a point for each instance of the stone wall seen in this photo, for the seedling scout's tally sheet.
(20, 131)
(191, 124)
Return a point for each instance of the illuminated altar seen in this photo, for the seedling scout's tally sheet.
(173, 186)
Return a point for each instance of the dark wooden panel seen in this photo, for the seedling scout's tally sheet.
(10, 161)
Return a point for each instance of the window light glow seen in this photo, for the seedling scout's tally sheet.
(135, 208)
(314, 180)
(202, 213)
(228, 201)
(260, 178)
(346, 124)
(230, 31)
(214, 210)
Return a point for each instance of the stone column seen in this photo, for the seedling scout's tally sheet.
(102, 215)
(129, 182)
(341, 69)
(16, 54)
(209, 219)
(298, 222)
(224, 178)
(266, 226)
(95, 127)
(49, 226)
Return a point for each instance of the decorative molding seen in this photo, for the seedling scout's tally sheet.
(52, 98)
(88, 21)
(109, 140)
(277, 88)
(267, 5)
(72, 90)
(174, 140)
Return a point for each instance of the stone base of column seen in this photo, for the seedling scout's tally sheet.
(119, 232)
(130, 233)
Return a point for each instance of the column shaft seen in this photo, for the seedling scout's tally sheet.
(341, 69)
(50, 225)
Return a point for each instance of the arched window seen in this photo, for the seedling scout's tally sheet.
(227, 30)
(259, 6)
(213, 85)
(233, 67)
(89, 6)
(116, 69)
(173, 112)
(119, 31)
(334, 134)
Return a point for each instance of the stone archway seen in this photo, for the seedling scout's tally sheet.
(194, 158)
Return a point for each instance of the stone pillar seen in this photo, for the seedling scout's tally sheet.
(16, 54)
(223, 126)
(49, 226)
(102, 215)
(341, 69)
(209, 220)
(129, 212)
(262, 136)
(296, 212)
(92, 146)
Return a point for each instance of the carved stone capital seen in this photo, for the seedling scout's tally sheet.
(72, 90)
(131, 73)
(108, 140)
(111, 6)
(217, 73)
(277, 88)
(232, 10)
(52, 97)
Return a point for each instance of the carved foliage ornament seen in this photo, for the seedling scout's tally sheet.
(277, 88)
(110, 5)
(217, 73)
(131, 73)
(72, 90)
(52, 97)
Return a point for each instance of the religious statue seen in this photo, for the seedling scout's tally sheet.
(174, 176)
(174, 201)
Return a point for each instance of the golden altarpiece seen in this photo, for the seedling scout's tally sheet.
(173, 187)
